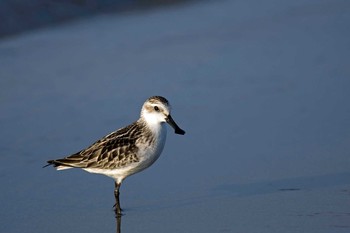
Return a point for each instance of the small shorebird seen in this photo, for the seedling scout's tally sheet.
(128, 150)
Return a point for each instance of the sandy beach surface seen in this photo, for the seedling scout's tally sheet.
(261, 88)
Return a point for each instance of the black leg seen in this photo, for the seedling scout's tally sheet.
(117, 208)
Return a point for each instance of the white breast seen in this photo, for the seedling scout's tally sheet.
(149, 154)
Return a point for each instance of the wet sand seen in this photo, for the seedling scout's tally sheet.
(262, 90)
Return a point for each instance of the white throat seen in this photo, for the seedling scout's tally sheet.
(154, 123)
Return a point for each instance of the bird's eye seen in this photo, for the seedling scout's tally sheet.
(156, 108)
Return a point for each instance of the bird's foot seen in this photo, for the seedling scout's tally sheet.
(117, 210)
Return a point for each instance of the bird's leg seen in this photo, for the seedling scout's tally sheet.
(117, 208)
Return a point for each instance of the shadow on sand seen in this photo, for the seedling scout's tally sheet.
(291, 184)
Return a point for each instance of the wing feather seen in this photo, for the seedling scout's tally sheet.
(115, 150)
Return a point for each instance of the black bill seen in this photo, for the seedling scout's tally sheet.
(171, 122)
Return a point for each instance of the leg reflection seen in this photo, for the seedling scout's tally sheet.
(118, 220)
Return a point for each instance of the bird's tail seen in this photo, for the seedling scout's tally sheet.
(58, 165)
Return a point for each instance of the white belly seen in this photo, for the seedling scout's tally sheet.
(147, 156)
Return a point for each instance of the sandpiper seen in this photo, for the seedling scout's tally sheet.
(128, 150)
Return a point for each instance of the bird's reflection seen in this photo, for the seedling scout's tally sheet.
(118, 218)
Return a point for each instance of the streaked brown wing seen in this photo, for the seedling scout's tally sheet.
(115, 150)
